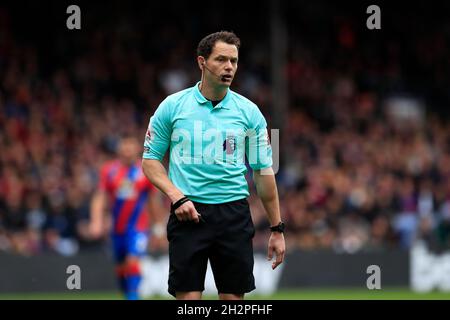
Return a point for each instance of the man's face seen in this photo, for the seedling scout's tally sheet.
(223, 63)
(128, 150)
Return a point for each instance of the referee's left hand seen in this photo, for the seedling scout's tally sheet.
(277, 246)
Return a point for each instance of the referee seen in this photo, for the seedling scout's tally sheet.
(210, 131)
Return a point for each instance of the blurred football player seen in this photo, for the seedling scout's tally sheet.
(131, 199)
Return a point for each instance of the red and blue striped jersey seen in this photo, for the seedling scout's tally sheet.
(128, 190)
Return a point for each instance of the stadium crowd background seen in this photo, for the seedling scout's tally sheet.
(354, 175)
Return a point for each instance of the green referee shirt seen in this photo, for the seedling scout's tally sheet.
(209, 145)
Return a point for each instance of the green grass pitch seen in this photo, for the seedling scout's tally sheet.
(304, 294)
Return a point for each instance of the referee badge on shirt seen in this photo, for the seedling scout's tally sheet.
(229, 144)
(148, 136)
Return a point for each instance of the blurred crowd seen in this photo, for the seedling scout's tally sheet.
(354, 176)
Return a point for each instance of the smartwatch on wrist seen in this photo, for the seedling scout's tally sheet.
(278, 228)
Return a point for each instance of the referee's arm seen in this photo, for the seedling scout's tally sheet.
(156, 143)
(266, 188)
(157, 174)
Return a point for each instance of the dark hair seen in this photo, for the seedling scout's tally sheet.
(206, 45)
(127, 136)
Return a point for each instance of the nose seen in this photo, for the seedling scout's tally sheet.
(229, 66)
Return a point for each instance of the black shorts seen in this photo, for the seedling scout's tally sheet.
(224, 237)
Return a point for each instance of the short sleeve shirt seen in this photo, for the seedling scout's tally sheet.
(209, 146)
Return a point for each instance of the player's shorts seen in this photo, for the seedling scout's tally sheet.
(131, 243)
(224, 236)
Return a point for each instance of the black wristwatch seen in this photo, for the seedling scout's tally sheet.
(278, 228)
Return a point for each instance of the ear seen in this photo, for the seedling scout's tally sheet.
(201, 61)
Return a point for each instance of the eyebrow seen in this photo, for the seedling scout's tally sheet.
(229, 57)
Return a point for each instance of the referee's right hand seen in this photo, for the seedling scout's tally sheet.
(187, 212)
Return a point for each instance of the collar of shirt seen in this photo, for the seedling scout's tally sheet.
(202, 100)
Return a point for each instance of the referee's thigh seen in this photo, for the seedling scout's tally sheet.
(188, 255)
(231, 255)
